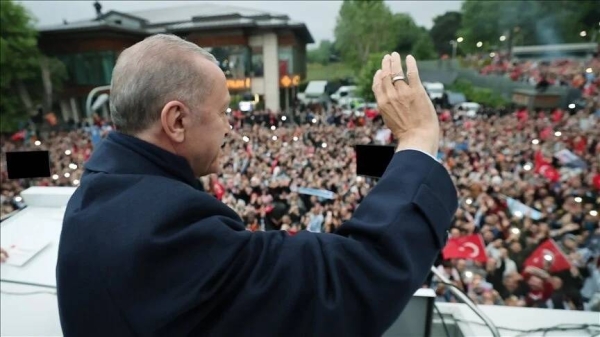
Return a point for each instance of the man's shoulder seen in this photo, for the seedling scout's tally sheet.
(138, 197)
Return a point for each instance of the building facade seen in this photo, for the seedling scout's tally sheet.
(263, 55)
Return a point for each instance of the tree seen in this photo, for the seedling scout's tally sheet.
(408, 33)
(423, 49)
(445, 28)
(526, 22)
(18, 58)
(322, 54)
(24, 68)
(363, 28)
(365, 77)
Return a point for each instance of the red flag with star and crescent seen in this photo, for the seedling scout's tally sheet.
(548, 252)
(468, 247)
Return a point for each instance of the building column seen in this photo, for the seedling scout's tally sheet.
(271, 71)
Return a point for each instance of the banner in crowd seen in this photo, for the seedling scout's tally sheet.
(548, 256)
(325, 194)
(468, 247)
(569, 159)
(519, 209)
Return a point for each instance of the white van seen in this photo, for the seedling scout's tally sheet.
(314, 93)
(470, 109)
(343, 93)
(434, 89)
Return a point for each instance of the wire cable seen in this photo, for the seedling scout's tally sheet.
(465, 299)
(27, 293)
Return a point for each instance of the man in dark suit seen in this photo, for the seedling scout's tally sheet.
(144, 251)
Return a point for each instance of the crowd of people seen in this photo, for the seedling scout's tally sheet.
(298, 172)
(581, 74)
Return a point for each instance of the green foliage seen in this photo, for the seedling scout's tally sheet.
(365, 77)
(332, 71)
(322, 54)
(445, 28)
(363, 27)
(480, 95)
(23, 68)
(18, 61)
(526, 22)
(423, 49)
(407, 33)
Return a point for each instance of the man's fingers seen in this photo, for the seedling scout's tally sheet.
(412, 72)
(386, 76)
(396, 64)
(386, 65)
(377, 89)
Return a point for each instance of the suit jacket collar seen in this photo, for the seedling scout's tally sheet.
(123, 154)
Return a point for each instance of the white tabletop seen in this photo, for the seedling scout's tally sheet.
(28, 311)
(30, 226)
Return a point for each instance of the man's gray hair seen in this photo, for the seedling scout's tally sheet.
(151, 73)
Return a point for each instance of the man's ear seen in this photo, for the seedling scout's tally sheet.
(171, 119)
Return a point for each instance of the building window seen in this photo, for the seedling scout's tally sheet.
(93, 68)
(257, 62)
(233, 60)
(286, 61)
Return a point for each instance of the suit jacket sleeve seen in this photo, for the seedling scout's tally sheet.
(352, 283)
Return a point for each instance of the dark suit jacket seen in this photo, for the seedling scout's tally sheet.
(144, 251)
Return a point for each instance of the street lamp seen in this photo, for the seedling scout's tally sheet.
(459, 40)
(583, 33)
(479, 44)
(454, 45)
(502, 38)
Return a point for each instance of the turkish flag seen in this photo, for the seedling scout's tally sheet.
(550, 173)
(548, 252)
(468, 247)
(544, 167)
